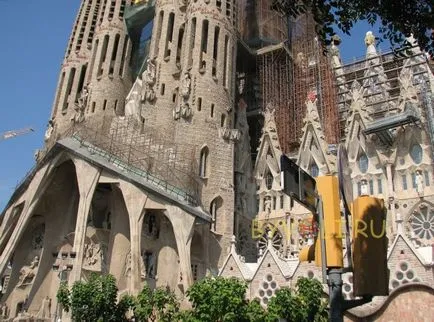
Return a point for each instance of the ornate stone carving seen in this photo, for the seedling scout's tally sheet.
(182, 110)
(229, 134)
(28, 273)
(94, 257)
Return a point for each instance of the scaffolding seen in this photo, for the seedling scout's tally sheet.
(313, 78)
(274, 70)
(259, 25)
(131, 146)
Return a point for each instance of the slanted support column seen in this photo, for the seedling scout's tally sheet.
(34, 192)
(135, 200)
(182, 223)
(87, 179)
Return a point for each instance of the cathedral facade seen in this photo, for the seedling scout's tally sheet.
(161, 158)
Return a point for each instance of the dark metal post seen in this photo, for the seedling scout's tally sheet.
(320, 212)
(336, 300)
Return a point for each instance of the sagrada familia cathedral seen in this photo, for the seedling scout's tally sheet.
(160, 164)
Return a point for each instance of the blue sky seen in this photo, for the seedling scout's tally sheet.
(34, 35)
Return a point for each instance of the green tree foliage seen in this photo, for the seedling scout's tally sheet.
(94, 300)
(303, 304)
(213, 300)
(157, 305)
(218, 299)
(398, 19)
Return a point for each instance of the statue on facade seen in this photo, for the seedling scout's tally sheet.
(4, 311)
(419, 182)
(49, 130)
(371, 51)
(364, 188)
(28, 273)
(80, 107)
(92, 254)
(45, 310)
(150, 261)
(151, 227)
(133, 101)
(186, 86)
(267, 207)
(148, 78)
(335, 54)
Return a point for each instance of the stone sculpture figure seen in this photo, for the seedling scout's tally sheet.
(45, 310)
(150, 262)
(133, 105)
(148, 78)
(267, 202)
(93, 254)
(50, 129)
(186, 85)
(3, 311)
(419, 182)
(371, 52)
(80, 107)
(364, 188)
(27, 273)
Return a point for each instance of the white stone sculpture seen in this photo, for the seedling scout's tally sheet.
(148, 78)
(28, 273)
(419, 182)
(371, 51)
(267, 202)
(133, 105)
(364, 188)
(50, 129)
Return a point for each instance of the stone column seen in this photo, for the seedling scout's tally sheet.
(182, 223)
(391, 194)
(87, 179)
(135, 200)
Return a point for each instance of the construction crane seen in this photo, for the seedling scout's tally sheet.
(11, 134)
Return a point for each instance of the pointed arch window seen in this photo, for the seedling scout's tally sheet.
(416, 153)
(203, 165)
(269, 180)
(214, 210)
(363, 162)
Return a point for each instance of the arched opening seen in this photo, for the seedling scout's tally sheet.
(214, 210)
(198, 268)
(203, 164)
(158, 251)
(34, 268)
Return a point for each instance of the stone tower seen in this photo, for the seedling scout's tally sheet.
(188, 94)
(94, 78)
